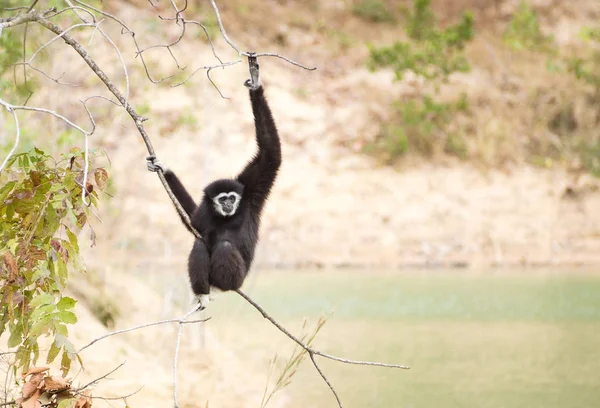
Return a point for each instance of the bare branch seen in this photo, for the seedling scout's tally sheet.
(222, 29)
(215, 85)
(208, 68)
(56, 80)
(337, 398)
(312, 352)
(32, 5)
(270, 54)
(141, 326)
(55, 114)
(24, 18)
(10, 109)
(61, 34)
(93, 382)
(182, 321)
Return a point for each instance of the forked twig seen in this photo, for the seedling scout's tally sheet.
(312, 352)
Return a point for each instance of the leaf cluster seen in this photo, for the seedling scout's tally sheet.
(431, 51)
(524, 33)
(40, 213)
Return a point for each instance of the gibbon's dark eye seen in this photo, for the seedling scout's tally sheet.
(222, 200)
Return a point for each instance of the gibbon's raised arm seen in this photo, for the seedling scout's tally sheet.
(259, 174)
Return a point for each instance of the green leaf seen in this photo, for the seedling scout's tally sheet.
(40, 327)
(65, 363)
(66, 303)
(22, 357)
(52, 353)
(15, 336)
(43, 299)
(6, 189)
(61, 330)
(36, 352)
(69, 347)
(67, 403)
(73, 238)
(63, 275)
(67, 317)
(42, 311)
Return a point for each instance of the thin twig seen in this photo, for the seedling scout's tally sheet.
(99, 378)
(140, 327)
(32, 5)
(337, 398)
(312, 352)
(10, 109)
(222, 29)
(182, 321)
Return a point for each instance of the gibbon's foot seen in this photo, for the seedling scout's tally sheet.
(254, 82)
(202, 301)
(154, 164)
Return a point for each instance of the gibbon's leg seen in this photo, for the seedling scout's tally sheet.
(227, 267)
(199, 272)
(184, 198)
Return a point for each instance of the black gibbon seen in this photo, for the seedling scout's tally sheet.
(228, 217)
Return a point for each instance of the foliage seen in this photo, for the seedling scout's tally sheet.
(524, 33)
(292, 363)
(588, 69)
(432, 52)
(41, 210)
(11, 44)
(421, 127)
(373, 10)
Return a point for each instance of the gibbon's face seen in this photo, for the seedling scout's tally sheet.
(227, 203)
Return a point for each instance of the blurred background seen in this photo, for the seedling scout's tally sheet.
(439, 199)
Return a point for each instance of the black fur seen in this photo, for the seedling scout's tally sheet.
(223, 258)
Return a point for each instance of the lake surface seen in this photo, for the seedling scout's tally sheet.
(501, 339)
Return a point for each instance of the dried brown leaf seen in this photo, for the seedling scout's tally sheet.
(32, 402)
(35, 370)
(31, 255)
(24, 194)
(60, 250)
(85, 401)
(81, 218)
(11, 264)
(92, 236)
(56, 383)
(28, 390)
(36, 177)
(101, 177)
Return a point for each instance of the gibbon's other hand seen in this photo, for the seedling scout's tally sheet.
(154, 164)
(254, 82)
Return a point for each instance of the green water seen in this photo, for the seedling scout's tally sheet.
(497, 340)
